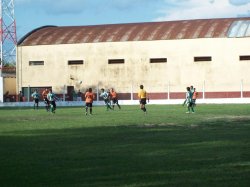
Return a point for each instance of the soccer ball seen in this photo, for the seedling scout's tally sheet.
(80, 82)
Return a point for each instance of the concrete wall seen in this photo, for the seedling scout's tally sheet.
(225, 73)
(10, 85)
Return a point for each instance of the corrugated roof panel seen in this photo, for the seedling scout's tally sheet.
(218, 29)
(210, 31)
(76, 37)
(85, 35)
(65, 36)
(135, 32)
(143, 33)
(173, 34)
(112, 33)
(102, 34)
(184, 31)
(248, 30)
(168, 30)
(120, 32)
(196, 33)
(224, 28)
(40, 36)
(242, 29)
(239, 28)
(92, 34)
(127, 34)
(234, 29)
(154, 31)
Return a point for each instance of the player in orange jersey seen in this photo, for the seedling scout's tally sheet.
(114, 98)
(45, 99)
(194, 97)
(89, 98)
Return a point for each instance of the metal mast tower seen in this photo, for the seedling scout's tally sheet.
(8, 32)
(8, 39)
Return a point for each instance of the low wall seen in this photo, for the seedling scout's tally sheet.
(134, 102)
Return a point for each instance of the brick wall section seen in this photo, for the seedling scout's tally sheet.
(173, 95)
(181, 95)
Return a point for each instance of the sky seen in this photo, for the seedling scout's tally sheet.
(31, 14)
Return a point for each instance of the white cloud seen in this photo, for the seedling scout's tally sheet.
(22, 1)
(239, 2)
(55, 7)
(197, 9)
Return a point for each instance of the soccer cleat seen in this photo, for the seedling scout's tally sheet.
(86, 113)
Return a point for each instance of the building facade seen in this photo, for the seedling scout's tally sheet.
(166, 57)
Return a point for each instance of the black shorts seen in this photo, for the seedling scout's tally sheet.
(107, 101)
(114, 100)
(89, 104)
(53, 103)
(46, 101)
(36, 101)
(143, 101)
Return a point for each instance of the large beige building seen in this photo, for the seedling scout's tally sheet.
(211, 54)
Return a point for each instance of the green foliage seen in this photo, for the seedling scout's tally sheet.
(125, 148)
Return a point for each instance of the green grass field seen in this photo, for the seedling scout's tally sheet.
(126, 148)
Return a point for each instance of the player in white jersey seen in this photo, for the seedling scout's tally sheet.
(35, 97)
(106, 97)
(52, 100)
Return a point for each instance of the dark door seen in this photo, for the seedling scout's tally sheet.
(70, 91)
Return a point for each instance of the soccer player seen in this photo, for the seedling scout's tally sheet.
(89, 98)
(192, 90)
(142, 95)
(35, 97)
(106, 97)
(52, 100)
(194, 97)
(188, 100)
(114, 98)
(45, 99)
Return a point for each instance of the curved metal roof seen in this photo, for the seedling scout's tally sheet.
(168, 30)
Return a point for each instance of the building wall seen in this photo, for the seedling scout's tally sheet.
(9, 85)
(225, 73)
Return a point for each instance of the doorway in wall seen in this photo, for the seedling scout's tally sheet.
(71, 93)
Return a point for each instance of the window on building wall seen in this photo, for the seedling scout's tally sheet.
(202, 58)
(75, 62)
(245, 57)
(36, 63)
(158, 60)
(116, 61)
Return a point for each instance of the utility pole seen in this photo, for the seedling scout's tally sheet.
(8, 39)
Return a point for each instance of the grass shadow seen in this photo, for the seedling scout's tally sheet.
(204, 155)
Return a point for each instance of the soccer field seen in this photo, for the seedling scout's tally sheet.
(125, 148)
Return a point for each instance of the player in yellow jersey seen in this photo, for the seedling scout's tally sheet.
(142, 95)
